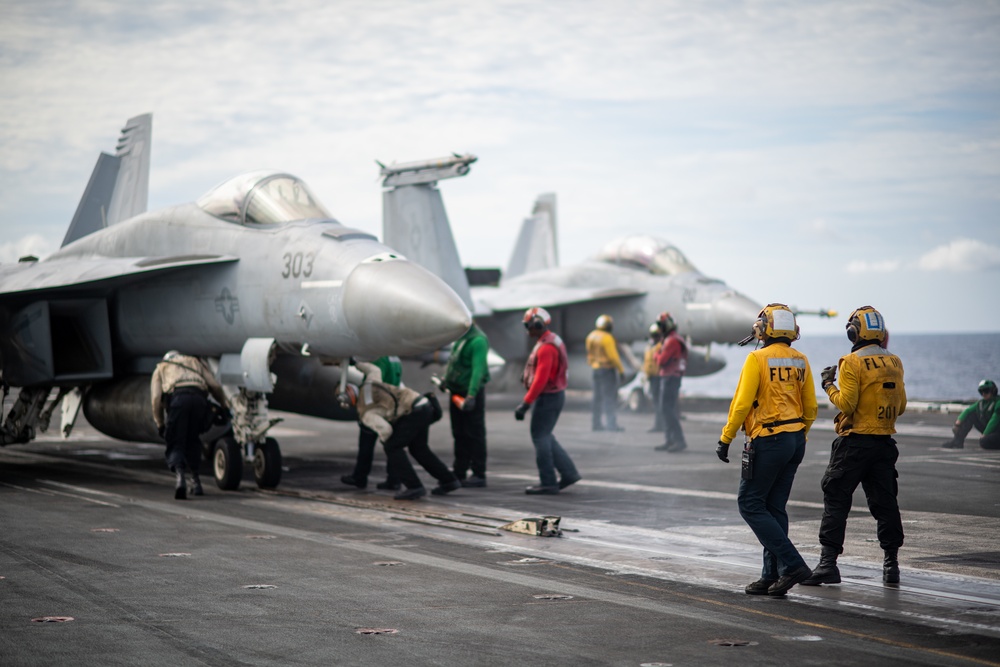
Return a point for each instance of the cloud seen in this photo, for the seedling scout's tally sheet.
(883, 266)
(961, 255)
(33, 244)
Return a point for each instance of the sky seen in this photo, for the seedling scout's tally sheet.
(820, 154)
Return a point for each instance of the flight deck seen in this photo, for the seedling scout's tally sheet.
(649, 570)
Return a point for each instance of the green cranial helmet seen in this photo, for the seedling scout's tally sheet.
(987, 386)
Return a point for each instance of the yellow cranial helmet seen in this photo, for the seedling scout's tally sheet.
(604, 323)
(866, 324)
(775, 320)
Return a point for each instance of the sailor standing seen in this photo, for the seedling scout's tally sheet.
(870, 397)
(775, 402)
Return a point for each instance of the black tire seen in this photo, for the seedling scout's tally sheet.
(227, 463)
(267, 464)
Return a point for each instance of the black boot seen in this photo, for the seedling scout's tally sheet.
(890, 567)
(180, 490)
(827, 571)
(196, 489)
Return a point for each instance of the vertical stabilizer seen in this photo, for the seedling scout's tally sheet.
(92, 212)
(131, 192)
(537, 246)
(415, 223)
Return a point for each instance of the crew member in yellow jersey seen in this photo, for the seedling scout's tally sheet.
(870, 397)
(602, 355)
(775, 402)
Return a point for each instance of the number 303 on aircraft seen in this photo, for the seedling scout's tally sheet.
(297, 264)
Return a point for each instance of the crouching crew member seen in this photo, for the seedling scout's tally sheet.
(983, 415)
(775, 402)
(870, 397)
(392, 373)
(402, 418)
(545, 377)
(179, 389)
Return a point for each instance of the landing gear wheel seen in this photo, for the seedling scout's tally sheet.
(227, 463)
(267, 464)
(636, 400)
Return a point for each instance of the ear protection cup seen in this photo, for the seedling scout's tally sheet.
(536, 319)
(852, 330)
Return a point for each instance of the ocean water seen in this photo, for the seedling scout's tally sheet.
(937, 367)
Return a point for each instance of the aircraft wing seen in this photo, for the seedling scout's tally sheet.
(99, 273)
(521, 297)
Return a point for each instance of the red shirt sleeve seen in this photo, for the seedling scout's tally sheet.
(546, 364)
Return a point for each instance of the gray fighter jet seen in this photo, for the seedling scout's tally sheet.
(256, 276)
(633, 279)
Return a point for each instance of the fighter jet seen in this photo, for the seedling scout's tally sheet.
(256, 276)
(633, 279)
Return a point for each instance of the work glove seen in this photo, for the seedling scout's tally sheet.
(520, 410)
(722, 451)
(162, 430)
(829, 375)
(438, 382)
(469, 404)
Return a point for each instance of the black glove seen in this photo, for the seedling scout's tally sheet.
(469, 404)
(829, 375)
(162, 430)
(722, 451)
(520, 410)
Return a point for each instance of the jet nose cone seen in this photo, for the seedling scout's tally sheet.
(397, 307)
(734, 316)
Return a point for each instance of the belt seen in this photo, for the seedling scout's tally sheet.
(783, 422)
(188, 389)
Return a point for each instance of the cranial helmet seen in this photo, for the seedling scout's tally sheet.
(604, 323)
(666, 323)
(987, 386)
(654, 331)
(866, 324)
(536, 319)
(170, 355)
(775, 320)
(349, 397)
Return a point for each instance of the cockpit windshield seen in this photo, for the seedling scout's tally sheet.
(647, 253)
(262, 198)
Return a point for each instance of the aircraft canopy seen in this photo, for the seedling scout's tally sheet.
(647, 253)
(262, 198)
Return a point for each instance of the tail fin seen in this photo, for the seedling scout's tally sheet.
(536, 246)
(119, 185)
(415, 223)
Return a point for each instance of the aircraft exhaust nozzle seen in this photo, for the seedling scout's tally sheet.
(397, 307)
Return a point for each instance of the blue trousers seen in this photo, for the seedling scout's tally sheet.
(549, 454)
(605, 403)
(670, 389)
(762, 499)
